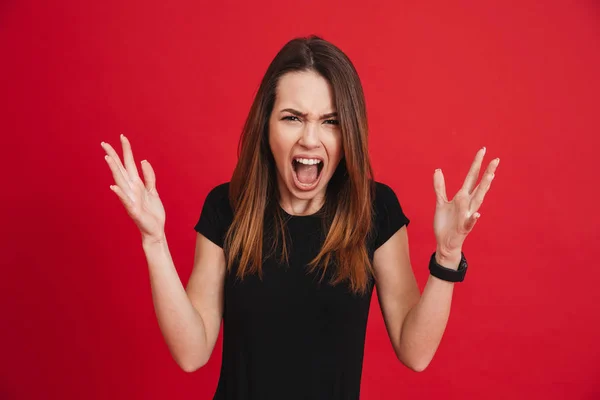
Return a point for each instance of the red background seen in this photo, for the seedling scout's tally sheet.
(178, 78)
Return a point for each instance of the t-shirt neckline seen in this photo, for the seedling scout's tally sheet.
(316, 214)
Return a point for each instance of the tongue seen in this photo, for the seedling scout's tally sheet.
(306, 173)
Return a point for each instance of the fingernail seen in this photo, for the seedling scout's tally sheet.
(144, 161)
(122, 136)
(439, 169)
(498, 160)
(484, 150)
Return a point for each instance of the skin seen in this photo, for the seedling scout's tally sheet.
(416, 322)
(302, 123)
(190, 318)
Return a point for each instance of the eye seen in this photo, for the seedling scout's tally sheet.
(290, 118)
(332, 122)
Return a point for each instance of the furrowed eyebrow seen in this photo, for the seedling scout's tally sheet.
(303, 115)
(330, 115)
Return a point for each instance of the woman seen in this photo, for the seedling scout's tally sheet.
(289, 251)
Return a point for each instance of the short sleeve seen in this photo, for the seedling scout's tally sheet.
(389, 216)
(216, 215)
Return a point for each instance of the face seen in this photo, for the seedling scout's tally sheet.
(304, 136)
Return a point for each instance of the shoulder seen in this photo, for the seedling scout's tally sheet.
(383, 190)
(216, 215)
(388, 213)
(218, 198)
(384, 197)
(219, 192)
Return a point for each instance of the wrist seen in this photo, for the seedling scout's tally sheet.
(448, 259)
(154, 241)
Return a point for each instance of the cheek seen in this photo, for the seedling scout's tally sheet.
(279, 145)
(333, 143)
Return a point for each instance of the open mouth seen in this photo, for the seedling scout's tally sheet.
(307, 172)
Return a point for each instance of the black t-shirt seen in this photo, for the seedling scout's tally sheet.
(289, 336)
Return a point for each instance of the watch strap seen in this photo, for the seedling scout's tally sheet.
(448, 274)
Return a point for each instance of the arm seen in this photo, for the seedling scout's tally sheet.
(188, 319)
(415, 323)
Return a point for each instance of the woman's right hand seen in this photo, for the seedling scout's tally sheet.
(140, 200)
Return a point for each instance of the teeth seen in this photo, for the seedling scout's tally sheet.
(308, 161)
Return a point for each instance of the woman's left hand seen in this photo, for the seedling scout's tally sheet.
(453, 220)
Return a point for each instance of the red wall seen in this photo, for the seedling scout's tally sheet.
(178, 78)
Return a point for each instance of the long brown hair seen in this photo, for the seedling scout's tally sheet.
(253, 191)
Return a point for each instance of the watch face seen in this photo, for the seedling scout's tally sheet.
(463, 262)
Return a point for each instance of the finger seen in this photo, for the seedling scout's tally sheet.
(473, 173)
(439, 185)
(122, 196)
(149, 177)
(128, 158)
(480, 192)
(120, 180)
(483, 187)
(117, 161)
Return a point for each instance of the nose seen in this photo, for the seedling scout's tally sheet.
(310, 136)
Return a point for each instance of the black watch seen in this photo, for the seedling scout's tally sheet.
(448, 274)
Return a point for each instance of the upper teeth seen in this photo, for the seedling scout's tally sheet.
(308, 161)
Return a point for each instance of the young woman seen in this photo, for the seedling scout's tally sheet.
(288, 252)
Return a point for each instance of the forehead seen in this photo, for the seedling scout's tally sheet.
(305, 91)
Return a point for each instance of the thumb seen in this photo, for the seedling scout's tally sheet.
(472, 221)
(439, 185)
(149, 177)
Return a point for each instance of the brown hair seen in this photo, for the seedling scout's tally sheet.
(253, 190)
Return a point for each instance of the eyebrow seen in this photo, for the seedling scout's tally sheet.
(303, 115)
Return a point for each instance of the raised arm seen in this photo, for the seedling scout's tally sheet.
(189, 319)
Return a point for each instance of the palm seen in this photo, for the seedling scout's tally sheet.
(141, 201)
(147, 210)
(453, 220)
